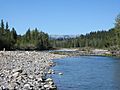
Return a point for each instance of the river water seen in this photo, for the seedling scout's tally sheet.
(87, 73)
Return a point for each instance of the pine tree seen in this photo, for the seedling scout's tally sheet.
(2, 26)
(7, 27)
(28, 35)
(117, 24)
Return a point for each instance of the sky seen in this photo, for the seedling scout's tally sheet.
(60, 17)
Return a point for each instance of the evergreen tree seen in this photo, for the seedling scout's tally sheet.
(117, 24)
(7, 26)
(28, 35)
(2, 26)
(13, 34)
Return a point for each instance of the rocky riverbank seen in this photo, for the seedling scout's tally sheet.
(97, 52)
(26, 70)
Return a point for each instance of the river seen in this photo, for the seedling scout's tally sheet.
(87, 73)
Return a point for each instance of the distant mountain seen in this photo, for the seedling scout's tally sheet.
(62, 36)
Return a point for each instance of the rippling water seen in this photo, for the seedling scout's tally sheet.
(87, 73)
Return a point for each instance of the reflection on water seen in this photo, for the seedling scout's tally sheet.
(88, 73)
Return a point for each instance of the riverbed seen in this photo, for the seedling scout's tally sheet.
(87, 73)
(26, 70)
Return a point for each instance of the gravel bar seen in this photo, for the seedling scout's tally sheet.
(26, 70)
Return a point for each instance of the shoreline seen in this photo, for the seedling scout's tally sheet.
(29, 69)
(90, 52)
(26, 70)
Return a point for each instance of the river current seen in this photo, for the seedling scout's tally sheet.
(87, 73)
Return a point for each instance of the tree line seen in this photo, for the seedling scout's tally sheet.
(31, 40)
(100, 39)
(38, 40)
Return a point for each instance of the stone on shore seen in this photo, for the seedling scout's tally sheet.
(60, 73)
(26, 70)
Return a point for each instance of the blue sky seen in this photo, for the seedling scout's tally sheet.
(60, 16)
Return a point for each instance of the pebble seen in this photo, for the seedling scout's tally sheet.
(31, 77)
(60, 73)
(51, 83)
(40, 80)
(16, 74)
(46, 86)
(17, 70)
(27, 86)
(26, 70)
(49, 79)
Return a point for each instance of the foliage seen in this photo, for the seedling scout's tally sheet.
(101, 39)
(38, 40)
(31, 40)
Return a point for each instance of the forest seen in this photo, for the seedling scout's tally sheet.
(104, 39)
(38, 40)
(31, 40)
